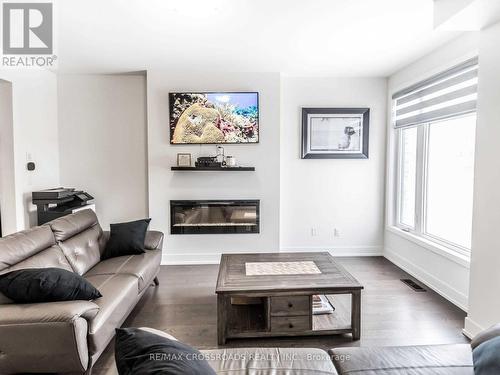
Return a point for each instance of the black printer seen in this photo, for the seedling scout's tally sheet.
(54, 203)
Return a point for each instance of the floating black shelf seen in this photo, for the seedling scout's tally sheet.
(225, 169)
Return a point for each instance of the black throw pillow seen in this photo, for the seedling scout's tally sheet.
(126, 239)
(139, 352)
(486, 357)
(46, 285)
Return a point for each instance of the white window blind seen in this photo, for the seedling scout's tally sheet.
(447, 94)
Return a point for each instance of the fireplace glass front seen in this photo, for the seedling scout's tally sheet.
(214, 216)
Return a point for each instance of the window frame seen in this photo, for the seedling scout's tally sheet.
(399, 181)
(421, 178)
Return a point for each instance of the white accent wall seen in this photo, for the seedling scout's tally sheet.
(484, 305)
(102, 141)
(441, 270)
(321, 195)
(263, 184)
(35, 138)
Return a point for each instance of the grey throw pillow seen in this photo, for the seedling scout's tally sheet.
(487, 357)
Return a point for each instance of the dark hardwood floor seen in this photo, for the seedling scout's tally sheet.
(184, 305)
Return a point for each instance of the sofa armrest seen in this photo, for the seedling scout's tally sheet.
(486, 335)
(153, 240)
(45, 337)
(65, 311)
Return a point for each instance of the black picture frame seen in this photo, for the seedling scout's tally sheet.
(308, 153)
(171, 124)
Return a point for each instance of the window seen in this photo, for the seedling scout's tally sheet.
(450, 178)
(435, 122)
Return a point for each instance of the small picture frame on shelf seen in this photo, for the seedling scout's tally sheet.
(183, 160)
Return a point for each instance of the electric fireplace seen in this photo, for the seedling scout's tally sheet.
(214, 216)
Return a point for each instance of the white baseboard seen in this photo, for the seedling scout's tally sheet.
(214, 258)
(187, 259)
(440, 287)
(471, 328)
(340, 251)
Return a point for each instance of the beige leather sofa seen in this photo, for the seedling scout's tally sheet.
(404, 360)
(454, 359)
(70, 336)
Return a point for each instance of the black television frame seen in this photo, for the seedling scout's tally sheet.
(170, 105)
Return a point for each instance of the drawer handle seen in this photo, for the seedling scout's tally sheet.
(290, 304)
(290, 325)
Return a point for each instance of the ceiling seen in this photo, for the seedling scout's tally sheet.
(295, 37)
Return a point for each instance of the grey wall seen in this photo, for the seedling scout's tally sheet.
(102, 140)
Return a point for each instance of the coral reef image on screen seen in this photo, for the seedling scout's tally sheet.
(218, 117)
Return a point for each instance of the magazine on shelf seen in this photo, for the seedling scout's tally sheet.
(321, 305)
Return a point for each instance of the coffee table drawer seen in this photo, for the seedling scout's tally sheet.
(290, 305)
(290, 323)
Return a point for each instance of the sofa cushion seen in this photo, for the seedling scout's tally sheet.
(46, 285)
(119, 297)
(141, 352)
(270, 361)
(82, 250)
(19, 246)
(70, 225)
(143, 266)
(416, 360)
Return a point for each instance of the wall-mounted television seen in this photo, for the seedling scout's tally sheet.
(214, 117)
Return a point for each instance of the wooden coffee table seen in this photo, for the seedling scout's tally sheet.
(271, 294)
